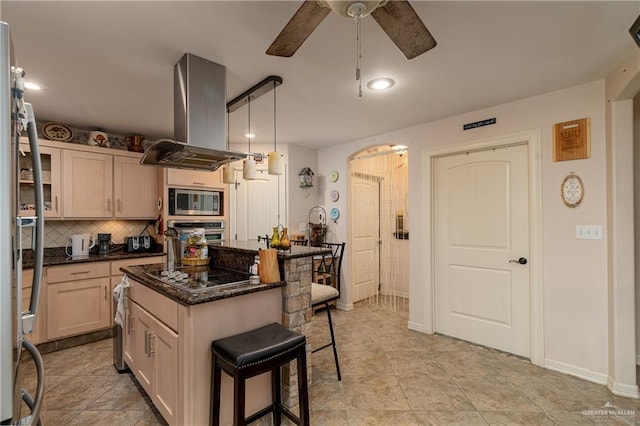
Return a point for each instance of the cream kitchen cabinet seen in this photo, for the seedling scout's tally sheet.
(153, 348)
(51, 177)
(78, 299)
(195, 178)
(107, 186)
(88, 184)
(134, 188)
(27, 282)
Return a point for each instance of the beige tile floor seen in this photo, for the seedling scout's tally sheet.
(391, 376)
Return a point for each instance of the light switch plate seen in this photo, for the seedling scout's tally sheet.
(303, 226)
(588, 232)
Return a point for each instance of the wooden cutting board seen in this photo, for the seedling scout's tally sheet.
(268, 269)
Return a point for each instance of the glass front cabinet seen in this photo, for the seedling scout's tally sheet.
(50, 159)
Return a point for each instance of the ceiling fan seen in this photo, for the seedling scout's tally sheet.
(396, 17)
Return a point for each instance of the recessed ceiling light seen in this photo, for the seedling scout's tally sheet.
(249, 135)
(399, 147)
(380, 84)
(32, 86)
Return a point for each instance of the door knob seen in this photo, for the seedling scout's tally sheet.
(522, 261)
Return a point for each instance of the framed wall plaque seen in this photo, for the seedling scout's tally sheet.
(571, 140)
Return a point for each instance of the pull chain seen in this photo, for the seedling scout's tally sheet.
(358, 55)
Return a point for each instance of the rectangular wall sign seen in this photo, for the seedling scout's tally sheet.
(487, 122)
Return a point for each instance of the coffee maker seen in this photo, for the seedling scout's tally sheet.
(104, 243)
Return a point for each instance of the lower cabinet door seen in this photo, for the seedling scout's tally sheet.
(77, 307)
(130, 337)
(156, 361)
(164, 346)
(144, 365)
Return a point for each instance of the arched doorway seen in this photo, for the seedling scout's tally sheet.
(379, 222)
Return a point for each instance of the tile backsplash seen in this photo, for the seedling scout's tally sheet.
(57, 233)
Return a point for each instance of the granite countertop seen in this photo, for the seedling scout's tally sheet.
(185, 296)
(56, 256)
(254, 246)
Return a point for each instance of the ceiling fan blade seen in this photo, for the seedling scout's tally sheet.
(299, 27)
(405, 28)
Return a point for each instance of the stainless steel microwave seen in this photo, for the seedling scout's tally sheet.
(195, 202)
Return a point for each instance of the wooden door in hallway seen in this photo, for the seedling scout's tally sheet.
(365, 237)
(481, 229)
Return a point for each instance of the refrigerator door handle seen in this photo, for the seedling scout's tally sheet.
(35, 403)
(38, 231)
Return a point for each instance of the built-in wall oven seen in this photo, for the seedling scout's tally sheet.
(214, 230)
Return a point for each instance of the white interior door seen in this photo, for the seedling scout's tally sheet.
(365, 237)
(254, 206)
(481, 214)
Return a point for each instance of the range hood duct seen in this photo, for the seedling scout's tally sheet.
(200, 119)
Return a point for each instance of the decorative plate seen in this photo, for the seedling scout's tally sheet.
(334, 195)
(572, 190)
(334, 214)
(57, 132)
(334, 176)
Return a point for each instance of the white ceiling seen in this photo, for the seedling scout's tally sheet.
(109, 65)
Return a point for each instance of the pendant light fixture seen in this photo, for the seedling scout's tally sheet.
(249, 164)
(227, 171)
(275, 159)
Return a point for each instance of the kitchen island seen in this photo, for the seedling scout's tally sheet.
(169, 328)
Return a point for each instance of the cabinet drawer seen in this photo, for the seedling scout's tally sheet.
(117, 264)
(163, 308)
(27, 278)
(80, 271)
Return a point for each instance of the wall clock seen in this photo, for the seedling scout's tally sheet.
(334, 214)
(572, 190)
(334, 176)
(334, 195)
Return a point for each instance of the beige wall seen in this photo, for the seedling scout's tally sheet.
(636, 199)
(574, 274)
(301, 200)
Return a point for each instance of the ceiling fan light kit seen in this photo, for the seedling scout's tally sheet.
(381, 83)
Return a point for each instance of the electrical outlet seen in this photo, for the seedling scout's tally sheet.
(588, 232)
(302, 227)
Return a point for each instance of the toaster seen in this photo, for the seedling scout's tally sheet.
(141, 243)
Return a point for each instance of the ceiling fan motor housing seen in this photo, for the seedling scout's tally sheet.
(352, 9)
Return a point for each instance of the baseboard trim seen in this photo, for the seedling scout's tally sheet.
(572, 370)
(622, 389)
(416, 326)
(344, 306)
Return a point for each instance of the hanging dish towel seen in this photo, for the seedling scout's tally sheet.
(119, 295)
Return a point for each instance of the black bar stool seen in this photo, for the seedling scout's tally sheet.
(252, 353)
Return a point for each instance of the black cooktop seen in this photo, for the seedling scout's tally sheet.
(200, 278)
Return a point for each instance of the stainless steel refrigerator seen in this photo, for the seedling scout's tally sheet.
(17, 406)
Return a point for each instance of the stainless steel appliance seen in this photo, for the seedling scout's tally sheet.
(214, 230)
(140, 243)
(16, 116)
(200, 119)
(194, 202)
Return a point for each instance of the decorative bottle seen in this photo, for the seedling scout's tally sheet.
(275, 238)
(285, 243)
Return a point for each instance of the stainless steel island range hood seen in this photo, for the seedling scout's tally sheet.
(200, 119)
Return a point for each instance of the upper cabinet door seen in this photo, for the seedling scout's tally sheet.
(195, 178)
(50, 160)
(88, 181)
(134, 188)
